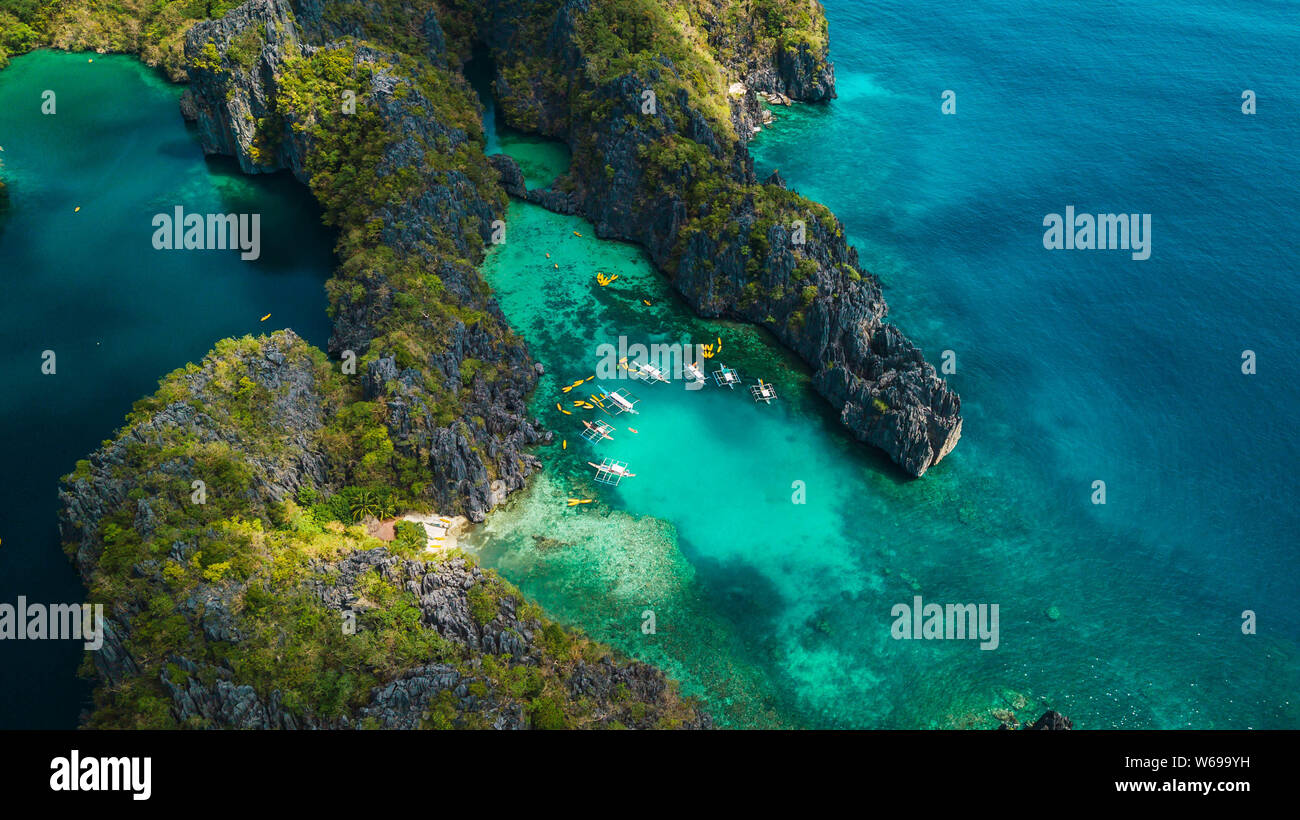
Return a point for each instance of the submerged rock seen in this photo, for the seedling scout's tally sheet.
(1053, 720)
(781, 262)
(445, 375)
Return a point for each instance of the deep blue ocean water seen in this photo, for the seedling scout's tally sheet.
(1076, 366)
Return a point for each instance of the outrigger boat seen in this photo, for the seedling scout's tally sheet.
(653, 373)
(618, 401)
(645, 371)
(726, 377)
(600, 431)
(611, 472)
(694, 371)
(763, 391)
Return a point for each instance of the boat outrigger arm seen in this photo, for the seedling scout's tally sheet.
(611, 472)
(653, 373)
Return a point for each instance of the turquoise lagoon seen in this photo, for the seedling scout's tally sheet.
(1072, 368)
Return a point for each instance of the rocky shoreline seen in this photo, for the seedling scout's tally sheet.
(742, 249)
(233, 610)
(680, 183)
(438, 224)
(441, 381)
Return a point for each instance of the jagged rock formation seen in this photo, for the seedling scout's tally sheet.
(408, 701)
(111, 478)
(265, 81)
(1052, 720)
(676, 178)
(231, 610)
(751, 261)
(740, 250)
(782, 51)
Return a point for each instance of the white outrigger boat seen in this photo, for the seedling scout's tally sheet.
(644, 371)
(611, 472)
(726, 377)
(694, 371)
(618, 401)
(653, 374)
(763, 391)
(599, 431)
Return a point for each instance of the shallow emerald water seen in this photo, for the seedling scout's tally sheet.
(538, 159)
(88, 285)
(775, 611)
(778, 613)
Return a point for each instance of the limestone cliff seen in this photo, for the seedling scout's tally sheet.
(393, 149)
(231, 604)
(674, 176)
(646, 96)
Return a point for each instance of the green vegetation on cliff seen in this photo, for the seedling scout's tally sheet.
(763, 26)
(231, 582)
(403, 289)
(686, 52)
(659, 42)
(242, 588)
(400, 284)
(153, 29)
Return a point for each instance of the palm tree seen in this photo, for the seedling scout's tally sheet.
(365, 502)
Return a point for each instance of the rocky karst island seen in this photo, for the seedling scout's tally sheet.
(244, 528)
